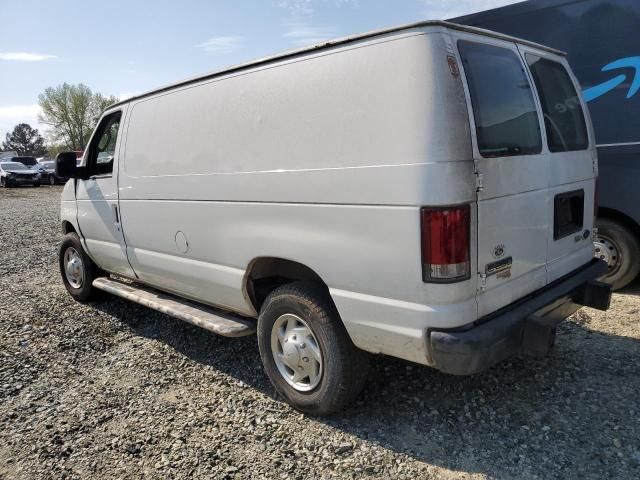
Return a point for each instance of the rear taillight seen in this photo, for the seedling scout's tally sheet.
(445, 243)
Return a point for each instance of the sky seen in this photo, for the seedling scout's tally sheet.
(126, 47)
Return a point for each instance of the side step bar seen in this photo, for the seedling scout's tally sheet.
(211, 319)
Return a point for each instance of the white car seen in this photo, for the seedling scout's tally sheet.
(413, 192)
(14, 174)
(29, 162)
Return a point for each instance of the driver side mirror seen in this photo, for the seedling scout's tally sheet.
(66, 166)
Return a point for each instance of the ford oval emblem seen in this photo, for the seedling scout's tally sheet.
(498, 251)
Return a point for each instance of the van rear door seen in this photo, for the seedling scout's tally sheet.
(522, 243)
(572, 163)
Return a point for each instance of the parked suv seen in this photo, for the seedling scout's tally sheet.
(412, 192)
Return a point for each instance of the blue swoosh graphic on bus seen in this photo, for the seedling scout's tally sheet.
(596, 91)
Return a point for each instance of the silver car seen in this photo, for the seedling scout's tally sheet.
(13, 174)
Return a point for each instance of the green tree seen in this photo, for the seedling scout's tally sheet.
(24, 140)
(54, 149)
(72, 112)
(101, 103)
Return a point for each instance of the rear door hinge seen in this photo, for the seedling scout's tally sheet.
(479, 182)
(482, 282)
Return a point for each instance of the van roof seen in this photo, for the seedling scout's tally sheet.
(335, 42)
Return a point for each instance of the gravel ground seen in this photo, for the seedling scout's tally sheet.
(113, 390)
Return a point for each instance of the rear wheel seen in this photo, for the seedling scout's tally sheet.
(619, 247)
(77, 269)
(306, 350)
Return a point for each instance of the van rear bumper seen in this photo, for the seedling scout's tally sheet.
(526, 325)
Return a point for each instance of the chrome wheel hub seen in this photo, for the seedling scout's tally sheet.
(296, 352)
(73, 267)
(606, 250)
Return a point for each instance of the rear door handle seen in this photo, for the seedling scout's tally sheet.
(116, 217)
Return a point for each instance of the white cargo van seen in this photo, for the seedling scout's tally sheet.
(424, 192)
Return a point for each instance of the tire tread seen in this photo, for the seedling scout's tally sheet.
(87, 292)
(353, 362)
(628, 242)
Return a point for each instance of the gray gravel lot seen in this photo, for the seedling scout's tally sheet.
(113, 390)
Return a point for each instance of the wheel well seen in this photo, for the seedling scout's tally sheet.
(621, 218)
(265, 274)
(67, 227)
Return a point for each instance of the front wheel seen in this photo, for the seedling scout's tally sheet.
(619, 247)
(306, 350)
(52, 180)
(77, 269)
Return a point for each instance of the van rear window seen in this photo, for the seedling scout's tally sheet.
(503, 106)
(563, 116)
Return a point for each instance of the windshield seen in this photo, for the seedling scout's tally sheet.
(29, 161)
(13, 166)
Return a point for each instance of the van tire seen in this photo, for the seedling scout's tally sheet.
(344, 367)
(85, 291)
(627, 248)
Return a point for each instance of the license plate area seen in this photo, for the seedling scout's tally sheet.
(568, 213)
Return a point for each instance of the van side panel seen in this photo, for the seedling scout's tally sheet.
(390, 103)
(323, 160)
(224, 237)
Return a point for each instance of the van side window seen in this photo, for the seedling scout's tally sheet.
(563, 116)
(103, 146)
(503, 106)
